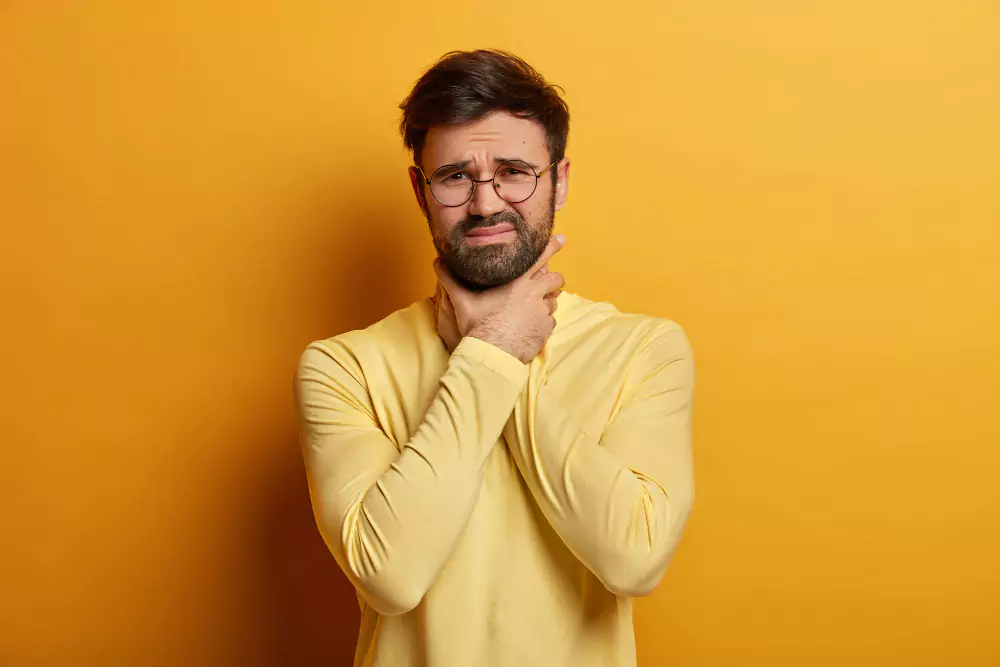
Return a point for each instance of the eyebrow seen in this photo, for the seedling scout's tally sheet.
(496, 160)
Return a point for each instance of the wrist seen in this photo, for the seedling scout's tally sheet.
(496, 341)
(495, 358)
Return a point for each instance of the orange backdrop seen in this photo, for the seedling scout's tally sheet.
(192, 191)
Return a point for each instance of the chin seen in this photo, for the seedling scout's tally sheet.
(477, 274)
(478, 283)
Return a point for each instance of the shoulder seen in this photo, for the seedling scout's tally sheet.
(637, 332)
(349, 351)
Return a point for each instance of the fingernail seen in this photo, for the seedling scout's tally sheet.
(561, 239)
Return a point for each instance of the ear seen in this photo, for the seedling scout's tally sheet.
(562, 182)
(418, 182)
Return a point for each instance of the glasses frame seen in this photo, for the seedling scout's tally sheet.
(496, 186)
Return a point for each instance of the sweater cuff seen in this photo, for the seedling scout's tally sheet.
(493, 358)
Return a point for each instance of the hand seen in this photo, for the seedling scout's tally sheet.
(515, 317)
(447, 326)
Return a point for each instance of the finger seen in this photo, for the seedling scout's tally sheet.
(551, 302)
(555, 244)
(550, 282)
(544, 268)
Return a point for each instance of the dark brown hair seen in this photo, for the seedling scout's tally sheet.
(465, 86)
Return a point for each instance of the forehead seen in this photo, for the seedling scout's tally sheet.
(499, 134)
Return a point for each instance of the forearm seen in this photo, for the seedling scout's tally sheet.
(620, 504)
(393, 525)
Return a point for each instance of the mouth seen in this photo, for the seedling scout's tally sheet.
(493, 234)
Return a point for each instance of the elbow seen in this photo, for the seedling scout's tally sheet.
(387, 597)
(631, 575)
(635, 570)
(384, 584)
(391, 587)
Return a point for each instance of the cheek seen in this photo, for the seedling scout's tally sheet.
(530, 210)
(537, 207)
(443, 220)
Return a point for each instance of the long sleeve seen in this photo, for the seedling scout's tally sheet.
(392, 516)
(619, 500)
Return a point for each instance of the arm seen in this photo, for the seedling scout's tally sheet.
(620, 501)
(391, 517)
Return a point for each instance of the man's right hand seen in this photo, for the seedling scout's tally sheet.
(515, 317)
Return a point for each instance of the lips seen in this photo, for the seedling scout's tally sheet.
(490, 231)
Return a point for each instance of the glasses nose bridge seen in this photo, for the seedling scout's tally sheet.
(476, 182)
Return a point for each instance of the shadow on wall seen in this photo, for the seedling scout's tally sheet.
(311, 608)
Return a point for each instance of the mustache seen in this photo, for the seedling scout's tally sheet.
(507, 216)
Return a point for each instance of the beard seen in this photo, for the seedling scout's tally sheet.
(482, 267)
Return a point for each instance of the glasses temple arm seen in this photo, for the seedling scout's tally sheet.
(544, 170)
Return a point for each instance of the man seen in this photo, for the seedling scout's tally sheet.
(498, 469)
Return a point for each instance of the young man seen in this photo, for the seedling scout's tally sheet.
(498, 469)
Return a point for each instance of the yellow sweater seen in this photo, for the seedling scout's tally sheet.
(490, 512)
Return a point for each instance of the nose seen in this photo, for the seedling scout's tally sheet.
(485, 200)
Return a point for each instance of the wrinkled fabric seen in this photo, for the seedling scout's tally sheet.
(490, 512)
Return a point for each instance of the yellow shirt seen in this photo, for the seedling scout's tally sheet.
(490, 512)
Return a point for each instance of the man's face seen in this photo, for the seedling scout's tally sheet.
(488, 241)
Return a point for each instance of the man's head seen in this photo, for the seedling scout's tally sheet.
(471, 117)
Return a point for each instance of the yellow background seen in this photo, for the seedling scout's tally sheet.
(192, 191)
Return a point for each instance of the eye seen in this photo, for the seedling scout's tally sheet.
(449, 175)
(516, 170)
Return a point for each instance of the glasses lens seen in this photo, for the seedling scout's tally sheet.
(515, 181)
(451, 186)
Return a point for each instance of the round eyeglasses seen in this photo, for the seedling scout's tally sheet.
(514, 181)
